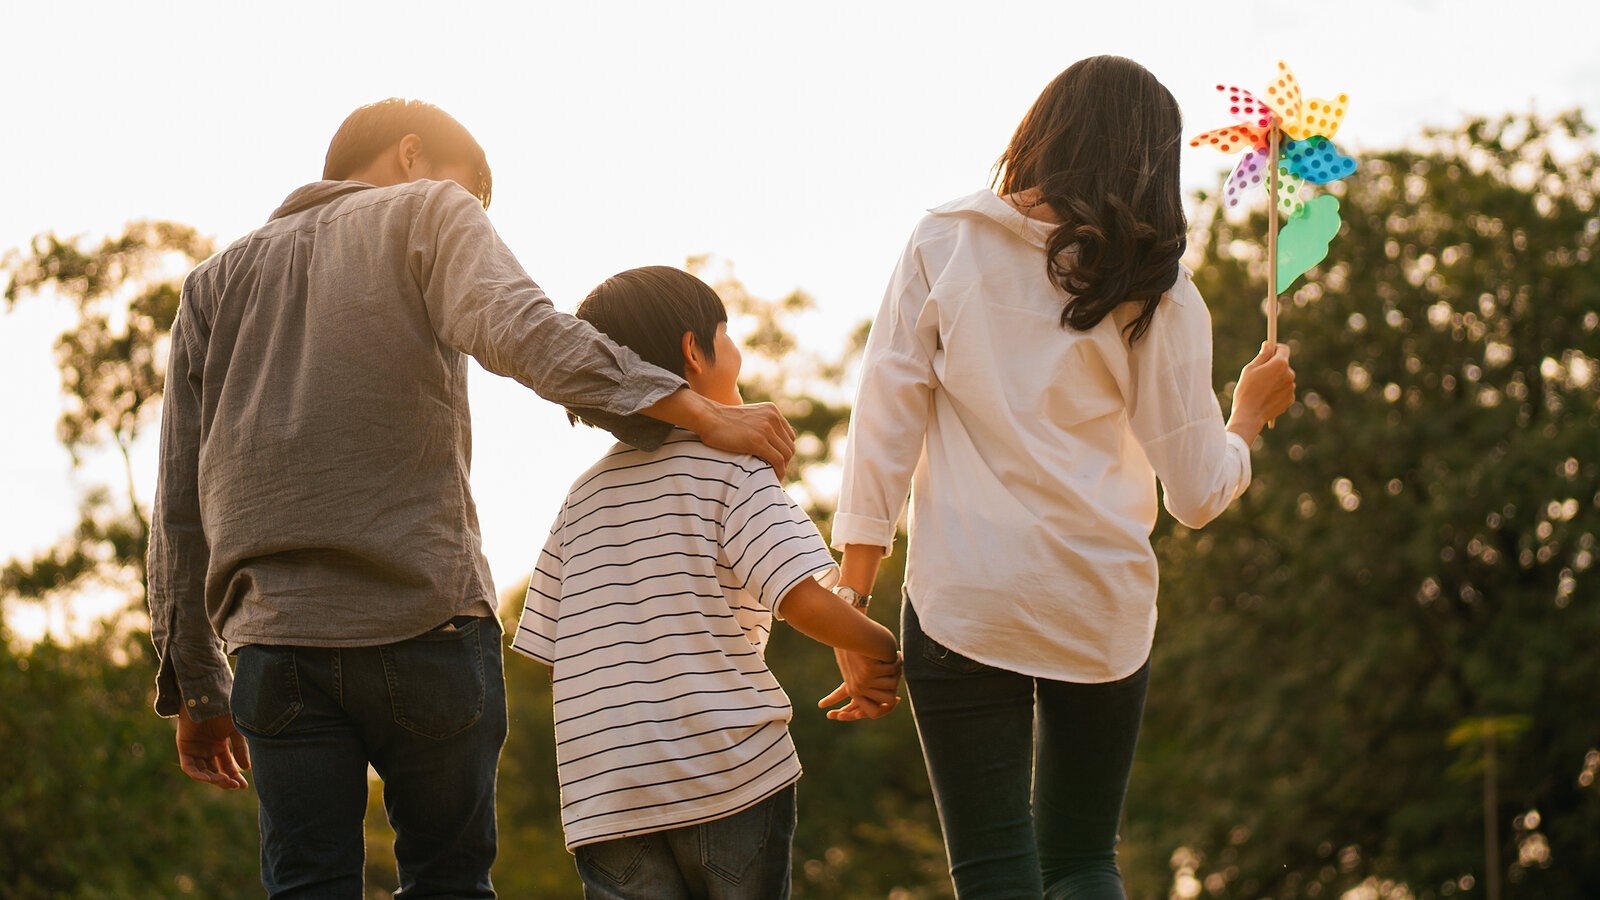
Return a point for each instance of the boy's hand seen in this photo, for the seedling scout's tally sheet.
(870, 684)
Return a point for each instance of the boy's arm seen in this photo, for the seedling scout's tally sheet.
(821, 615)
(778, 556)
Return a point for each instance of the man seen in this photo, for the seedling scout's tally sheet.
(313, 509)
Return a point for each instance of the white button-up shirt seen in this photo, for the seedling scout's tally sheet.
(1030, 450)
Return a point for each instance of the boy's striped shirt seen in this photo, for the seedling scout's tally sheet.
(652, 601)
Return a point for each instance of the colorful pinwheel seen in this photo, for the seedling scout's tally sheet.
(1288, 143)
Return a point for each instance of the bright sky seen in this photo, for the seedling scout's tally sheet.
(801, 142)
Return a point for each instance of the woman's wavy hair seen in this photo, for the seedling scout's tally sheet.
(1101, 145)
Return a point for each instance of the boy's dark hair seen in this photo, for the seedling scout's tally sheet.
(649, 309)
(1101, 144)
(373, 128)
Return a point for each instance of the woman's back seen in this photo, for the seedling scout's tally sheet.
(1041, 443)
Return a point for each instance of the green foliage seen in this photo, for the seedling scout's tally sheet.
(1416, 554)
(92, 804)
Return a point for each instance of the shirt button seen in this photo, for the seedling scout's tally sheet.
(191, 702)
(204, 699)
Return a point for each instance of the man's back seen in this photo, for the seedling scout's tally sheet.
(334, 425)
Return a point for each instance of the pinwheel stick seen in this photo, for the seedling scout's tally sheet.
(1272, 245)
(1272, 238)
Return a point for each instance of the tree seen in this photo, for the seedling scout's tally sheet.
(1415, 554)
(112, 364)
(92, 804)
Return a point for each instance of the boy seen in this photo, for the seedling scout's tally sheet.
(652, 602)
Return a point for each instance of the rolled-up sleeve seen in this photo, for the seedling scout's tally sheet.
(193, 674)
(890, 419)
(1175, 414)
(482, 303)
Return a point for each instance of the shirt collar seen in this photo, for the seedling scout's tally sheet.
(986, 204)
(316, 194)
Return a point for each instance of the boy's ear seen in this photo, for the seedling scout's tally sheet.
(693, 360)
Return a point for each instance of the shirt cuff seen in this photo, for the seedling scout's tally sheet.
(1244, 463)
(849, 528)
(827, 576)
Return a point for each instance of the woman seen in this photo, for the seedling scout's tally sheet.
(1040, 359)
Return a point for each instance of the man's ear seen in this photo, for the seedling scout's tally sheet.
(408, 154)
(693, 360)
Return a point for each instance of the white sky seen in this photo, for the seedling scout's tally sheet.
(800, 141)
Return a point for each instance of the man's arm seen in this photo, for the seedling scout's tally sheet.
(193, 680)
(482, 303)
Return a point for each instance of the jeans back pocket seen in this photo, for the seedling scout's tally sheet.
(266, 689)
(436, 680)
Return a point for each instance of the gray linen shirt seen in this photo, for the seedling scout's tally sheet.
(315, 436)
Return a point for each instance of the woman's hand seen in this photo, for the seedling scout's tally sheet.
(870, 684)
(1264, 392)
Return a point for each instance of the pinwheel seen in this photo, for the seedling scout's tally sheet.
(1288, 143)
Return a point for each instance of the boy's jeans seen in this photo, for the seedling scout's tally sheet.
(429, 714)
(1028, 774)
(743, 856)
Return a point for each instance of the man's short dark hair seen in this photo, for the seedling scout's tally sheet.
(649, 309)
(376, 127)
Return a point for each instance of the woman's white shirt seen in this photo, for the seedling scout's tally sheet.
(1030, 450)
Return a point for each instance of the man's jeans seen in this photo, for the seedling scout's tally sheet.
(429, 714)
(1028, 774)
(744, 856)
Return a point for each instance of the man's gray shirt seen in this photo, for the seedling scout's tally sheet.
(315, 436)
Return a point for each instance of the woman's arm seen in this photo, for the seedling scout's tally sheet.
(892, 406)
(1203, 463)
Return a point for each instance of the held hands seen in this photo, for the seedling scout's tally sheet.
(870, 684)
(213, 752)
(1264, 392)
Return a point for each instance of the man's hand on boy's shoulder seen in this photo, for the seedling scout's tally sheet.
(755, 428)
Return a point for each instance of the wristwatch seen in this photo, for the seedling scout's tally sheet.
(853, 597)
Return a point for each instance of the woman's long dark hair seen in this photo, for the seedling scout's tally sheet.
(1101, 146)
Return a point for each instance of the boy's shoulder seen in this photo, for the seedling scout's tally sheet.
(681, 453)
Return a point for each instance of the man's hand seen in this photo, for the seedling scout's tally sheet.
(870, 684)
(213, 751)
(755, 428)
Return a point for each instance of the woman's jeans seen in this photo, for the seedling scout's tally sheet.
(429, 714)
(1028, 774)
(743, 856)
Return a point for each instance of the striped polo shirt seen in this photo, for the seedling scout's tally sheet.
(652, 602)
